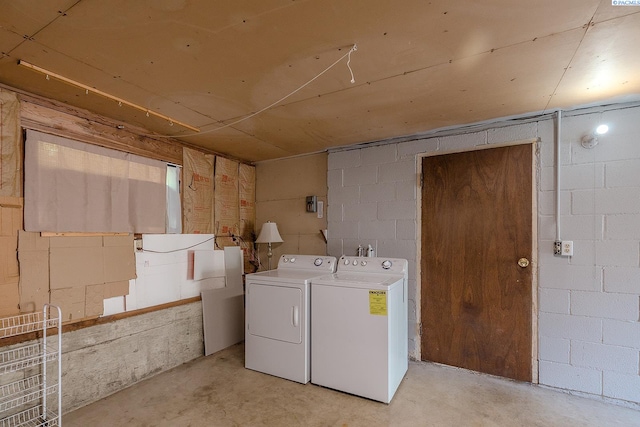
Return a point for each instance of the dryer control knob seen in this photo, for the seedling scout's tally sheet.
(317, 262)
(293, 259)
(386, 264)
(363, 263)
(346, 262)
(285, 259)
(355, 262)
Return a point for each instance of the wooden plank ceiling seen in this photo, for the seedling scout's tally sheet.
(419, 65)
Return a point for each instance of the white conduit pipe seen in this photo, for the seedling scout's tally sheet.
(558, 166)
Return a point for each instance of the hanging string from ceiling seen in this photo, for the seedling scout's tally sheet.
(262, 110)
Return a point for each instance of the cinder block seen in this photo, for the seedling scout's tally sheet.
(604, 305)
(377, 229)
(625, 280)
(406, 230)
(570, 327)
(397, 249)
(335, 178)
(582, 177)
(556, 276)
(604, 357)
(582, 227)
(623, 227)
(547, 179)
(512, 133)
(606, 201)
(462, 142)
(344, 159)
(399, 171)
(361, 211)
(360, 175)
(406, 190)
(554, 300)
(343, 195)
(554, 349)
(622, 253)
(334, 247)
(546, 132)
(625, 173)
(570, 377)
(584, 252)
(564, 276)
(334, 213)
(411, 148)
(379, 155)
(344, 229)
(546, 227)
(397, 210)
(621, 386)
(586, 278)
(383, 192)
(547, 202)
(625, 334)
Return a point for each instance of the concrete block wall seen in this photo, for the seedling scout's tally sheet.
(588, 304)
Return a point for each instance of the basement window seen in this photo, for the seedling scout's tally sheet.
(71, 186)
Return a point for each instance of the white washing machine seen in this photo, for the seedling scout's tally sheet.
(359, 334)
(277, 316)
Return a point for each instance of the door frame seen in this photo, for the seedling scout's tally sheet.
(534, 244)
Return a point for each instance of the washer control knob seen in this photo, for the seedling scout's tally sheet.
(346, 261)
(355, 262)
(317, 262)
(293, 259)
(285, 259)
(386, 264)
(363, 263)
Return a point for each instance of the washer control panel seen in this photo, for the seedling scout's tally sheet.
(372, 264)
(308, 262)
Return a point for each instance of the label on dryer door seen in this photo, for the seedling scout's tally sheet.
(378, 303)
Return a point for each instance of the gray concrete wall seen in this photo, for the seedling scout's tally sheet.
(100, 360)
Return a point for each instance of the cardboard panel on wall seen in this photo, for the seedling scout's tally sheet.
(227, 211)
(9, 300)
(94, 295)
(71, 301)
(76, 267)
(197, 192)
(33, 257)
(10, 147)
(119, 259)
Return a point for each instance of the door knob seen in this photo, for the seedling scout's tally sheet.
(523, 262)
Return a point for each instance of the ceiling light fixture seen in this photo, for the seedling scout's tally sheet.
(602, 129)
(120, 101)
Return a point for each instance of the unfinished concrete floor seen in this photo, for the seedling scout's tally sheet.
(218, 391)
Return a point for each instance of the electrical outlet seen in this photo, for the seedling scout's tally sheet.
(557, 247)
(567, 248)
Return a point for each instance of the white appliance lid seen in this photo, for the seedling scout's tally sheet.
(284, 276)
(359, 280)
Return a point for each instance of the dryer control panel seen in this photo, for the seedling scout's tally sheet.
(320, 263)
(372, 265)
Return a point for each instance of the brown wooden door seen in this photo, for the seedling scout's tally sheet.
(476, 225)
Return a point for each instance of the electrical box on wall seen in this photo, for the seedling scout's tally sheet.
(312, 203)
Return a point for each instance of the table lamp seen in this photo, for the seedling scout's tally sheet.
(269, 234)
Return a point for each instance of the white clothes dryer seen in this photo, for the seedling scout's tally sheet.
(359, 333)
(277, 316)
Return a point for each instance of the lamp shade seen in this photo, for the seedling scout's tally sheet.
(269, 233)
